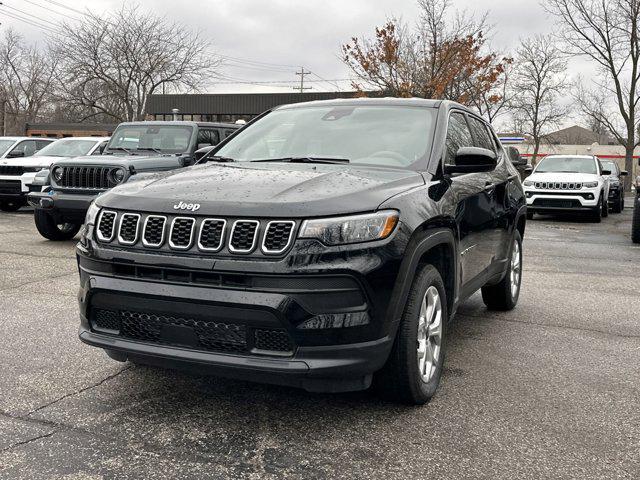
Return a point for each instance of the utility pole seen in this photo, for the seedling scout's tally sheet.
(302, 73)
(4, 116)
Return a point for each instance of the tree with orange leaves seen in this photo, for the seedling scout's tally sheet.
(440, 59)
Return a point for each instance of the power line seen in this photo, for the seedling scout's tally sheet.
(27, 21)
(62, 5)
(30, 15)
(48, 9)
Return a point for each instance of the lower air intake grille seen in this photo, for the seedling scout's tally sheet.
(243, 236)
(192, 333)
(273, 341)
(277, 236)
(556, 203)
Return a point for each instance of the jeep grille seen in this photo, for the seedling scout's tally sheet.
(559, 185)
(87, 177)
(193, 234)
(11, 170)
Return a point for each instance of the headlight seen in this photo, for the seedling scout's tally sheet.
(56, 173)
(590, 184)
(33, 169)
(528, 183)
(92, 214)
(117, 175)
(352, 229)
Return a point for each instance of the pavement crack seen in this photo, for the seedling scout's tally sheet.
(29, 440)
(77, 392)
(564, 327)
(41, 279)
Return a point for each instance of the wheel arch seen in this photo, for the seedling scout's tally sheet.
(433, 243)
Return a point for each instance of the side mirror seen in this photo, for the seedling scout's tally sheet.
(203, 145)
(528, 169)
(15, 154)
(471, 160)
(623, 173)
(606, 172)
(516, 158)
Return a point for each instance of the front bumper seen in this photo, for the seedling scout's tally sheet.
(205, 315)
(64, 207)
(17, 187)
(550, 200)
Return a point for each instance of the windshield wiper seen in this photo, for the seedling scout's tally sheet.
(305, 160)
(122, 149)
(150, 149)
(217, 158)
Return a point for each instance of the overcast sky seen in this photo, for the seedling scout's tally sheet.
(284, 33)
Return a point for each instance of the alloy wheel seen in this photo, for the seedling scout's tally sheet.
(429, 334)
(516, 268)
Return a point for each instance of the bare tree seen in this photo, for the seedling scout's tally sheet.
(608, 33)
(538, 82)
(494, 101)
(444, 56)
(111, 64)
(26, 78)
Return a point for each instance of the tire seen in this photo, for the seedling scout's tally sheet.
(596, 214)
(49, 229)
(401, 377)
(618, 206)
(504, 295)
(11, 205)
(605, 206)
(635, 223)
(529, 215)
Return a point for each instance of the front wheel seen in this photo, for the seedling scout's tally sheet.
(49, 229)
(11, 205)
(412, 372)
(635, 224)
(605, 206)
(504, 295)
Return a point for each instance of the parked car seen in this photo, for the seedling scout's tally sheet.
(568, 183)
(11, 188)
(635, 224)
(325, 245)
(616, 185)
(135, 149)
(30, 174)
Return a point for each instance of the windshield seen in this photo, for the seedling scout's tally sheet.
(4, 145)
(161, 138)
(68, 147)
(567, 165)
(608, 165)
(389, 136)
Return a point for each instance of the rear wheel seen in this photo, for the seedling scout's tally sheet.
(11, 205)
(504, 295)
(49, 229)
(412, 372)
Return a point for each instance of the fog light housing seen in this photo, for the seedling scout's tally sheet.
(335, 320)
(589, 196)
(528, 194)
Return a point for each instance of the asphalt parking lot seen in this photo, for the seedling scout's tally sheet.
(549, 390)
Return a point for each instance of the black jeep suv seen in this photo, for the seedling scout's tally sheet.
(326, 245)
(135, 149)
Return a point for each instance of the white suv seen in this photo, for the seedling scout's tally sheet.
(18, 173)
(568, 183)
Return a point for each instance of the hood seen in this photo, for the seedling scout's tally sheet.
(264, 189)
(33, 161)
(563, 177)
(138, 162)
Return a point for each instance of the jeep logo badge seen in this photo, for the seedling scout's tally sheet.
(187, 206)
